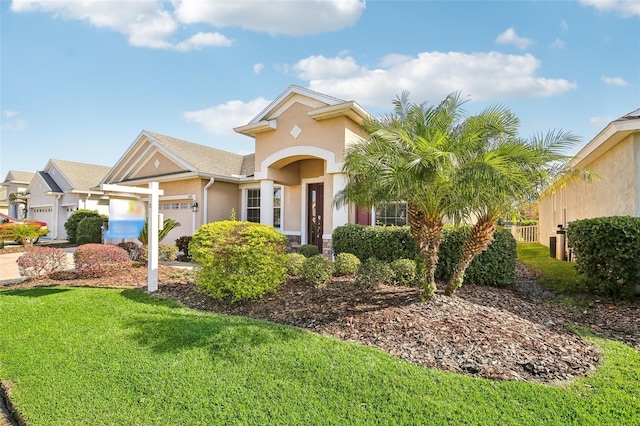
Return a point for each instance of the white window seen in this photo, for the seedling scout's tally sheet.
(253, 206)
(391, 214)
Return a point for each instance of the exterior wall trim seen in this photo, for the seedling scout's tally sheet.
(325, 154)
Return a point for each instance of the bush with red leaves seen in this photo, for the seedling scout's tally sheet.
(98, 260)
(41, 261)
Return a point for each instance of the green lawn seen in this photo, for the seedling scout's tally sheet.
(556, 275)
(111, 357)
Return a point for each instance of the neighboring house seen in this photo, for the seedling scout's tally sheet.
(4, 200)
(15, 183)
(63, 187)
(289, 183)
(614, 155)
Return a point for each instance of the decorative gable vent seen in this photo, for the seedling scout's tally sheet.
(295, 132)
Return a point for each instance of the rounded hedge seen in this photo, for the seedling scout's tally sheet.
(295, 261)
(91, 226)
(71, 225)
(404, 272)
(316, 270)
(345, 264)
(238, 260)
(308, 250)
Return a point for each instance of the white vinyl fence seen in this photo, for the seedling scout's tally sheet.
(525, 234)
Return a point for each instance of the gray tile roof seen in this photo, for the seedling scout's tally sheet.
(205, 158)
(82, 176)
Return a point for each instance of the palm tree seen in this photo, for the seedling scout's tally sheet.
(412, 155)
(498, 174)
(167, 226)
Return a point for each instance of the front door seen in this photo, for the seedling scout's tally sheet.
(315, 207)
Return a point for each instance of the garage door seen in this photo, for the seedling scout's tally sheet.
(43, 214)
(180, 211)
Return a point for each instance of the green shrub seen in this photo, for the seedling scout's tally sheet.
(84, 239)
(166, 253)
(71, 225)
(239, 260)
(386, 243)
(528, 222)
(24, 233)
(494, 267)
(41, 261)
(345, 264)
(98, 260)
(372, 272)
(404, 272)
(308, 250)
(316, 270)
(295, 261)
(607, 250)
(91, 226)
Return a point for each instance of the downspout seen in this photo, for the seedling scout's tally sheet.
(56, 216)
(205, 200)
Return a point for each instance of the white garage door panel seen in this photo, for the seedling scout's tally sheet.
(180, 211)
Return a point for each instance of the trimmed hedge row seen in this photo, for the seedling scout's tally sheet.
(607, 250)
(495, 267)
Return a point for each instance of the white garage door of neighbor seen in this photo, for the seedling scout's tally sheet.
(43, 214)
(180, 211)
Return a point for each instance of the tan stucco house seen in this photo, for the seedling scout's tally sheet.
(614, 156)
(15, 183)
(63, 187)
(289, 182)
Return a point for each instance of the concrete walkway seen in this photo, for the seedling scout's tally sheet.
(9, 272)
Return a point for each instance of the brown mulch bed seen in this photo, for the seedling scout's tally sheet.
(509, 334)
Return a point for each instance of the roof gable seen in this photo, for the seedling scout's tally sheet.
(17, 176)
(71, 175)
(153, 154)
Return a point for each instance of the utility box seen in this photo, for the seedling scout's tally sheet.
(561, 243)
(552, 246)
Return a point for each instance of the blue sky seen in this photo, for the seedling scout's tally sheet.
(81, 79)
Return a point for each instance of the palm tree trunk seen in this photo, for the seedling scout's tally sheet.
(427, 234)
(478, 240)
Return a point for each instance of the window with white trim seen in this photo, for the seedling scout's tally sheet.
(253, 206)
(391, 214)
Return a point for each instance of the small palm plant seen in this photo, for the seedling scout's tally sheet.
(167, 226)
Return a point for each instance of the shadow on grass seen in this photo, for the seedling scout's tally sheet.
(142, 296)
(175, 330)
(34, 292)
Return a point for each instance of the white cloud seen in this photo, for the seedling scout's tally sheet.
(145, 22)
(615, 81)
(510, 37)
(11, 121)
(221, 119)
(558, 43)
(431, 75)
(600, 121)
(564, 25)
(626, 8)
(257, 68)
(315, 67)
(274, 17)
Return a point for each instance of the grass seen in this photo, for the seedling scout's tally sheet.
(97, 356)
(556, 275)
